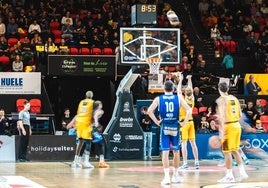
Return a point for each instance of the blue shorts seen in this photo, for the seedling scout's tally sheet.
(170, 141)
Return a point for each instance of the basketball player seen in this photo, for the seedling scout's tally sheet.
(83, 123)
(100, 145)
(188, 131)
(229, 113)
(168, 105)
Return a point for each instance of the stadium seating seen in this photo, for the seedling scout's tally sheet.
(96, 51)
(20, 104)
(107, 51)
(35, 105)
(85, 51)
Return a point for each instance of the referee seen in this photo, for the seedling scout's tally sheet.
(24, 127)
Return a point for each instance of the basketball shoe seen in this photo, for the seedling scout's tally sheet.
(227, 179)
(165, 181)
(103, 165)
(176, 179)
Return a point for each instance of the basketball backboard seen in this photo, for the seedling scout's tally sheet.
(139, 44)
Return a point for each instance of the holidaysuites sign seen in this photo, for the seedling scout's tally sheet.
(81, 65)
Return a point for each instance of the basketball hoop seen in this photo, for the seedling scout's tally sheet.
(154, 64)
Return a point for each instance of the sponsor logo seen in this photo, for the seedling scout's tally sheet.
(126, 107)
(11, 82)
(116, 138)
(130, 58)
(51, 149)
(69, 65)
(116, 149)
(134, 137)
(256, 143)
(126, 122)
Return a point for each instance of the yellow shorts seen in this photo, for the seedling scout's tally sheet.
(231, 137)
(84, 130)
(188, 131)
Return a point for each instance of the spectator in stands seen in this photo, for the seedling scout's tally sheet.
(186, 72)
(210, 114)
(65, 120)
(12, 29)
(67, 19)
(203, 126)
(63, 48)
(260, 109)
(44, 24)
(215, 33)
(197, 97)
(252, 87)
(2, 28)
(4, 48)
(67, 30)
(17, 64)
(50, 47)
(226, 32)
(26, 50)
(228, 64)
(259, 128)
(213, 126)
(203, 7)
(264, 10)
(250, 113)
(4, 125)
(16, 50)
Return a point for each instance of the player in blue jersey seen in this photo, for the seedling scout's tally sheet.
(169, 106)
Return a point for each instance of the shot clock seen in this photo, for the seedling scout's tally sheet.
(143, 14)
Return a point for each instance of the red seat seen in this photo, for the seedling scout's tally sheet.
(20, 104)
(54, 25)
(202, 109)
(73, 51)
(195, 111)
(4, 60)
(108, 51)
(263, 102)
(12, 41)
(85, 51)
(57, 33)
(96, 51)
(35, 106)
(264, 122)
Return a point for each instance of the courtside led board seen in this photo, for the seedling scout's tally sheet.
(139, 44)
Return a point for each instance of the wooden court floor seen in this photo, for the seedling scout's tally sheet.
(130, 174)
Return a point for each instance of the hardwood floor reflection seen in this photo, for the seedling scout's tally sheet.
(125, 174)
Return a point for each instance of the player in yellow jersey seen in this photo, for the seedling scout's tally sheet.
(188, 131)
(229, 113)
(83, 125)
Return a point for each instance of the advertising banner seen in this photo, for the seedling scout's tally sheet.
(261, 80)
(50, 147)
(20, 83)
(81, 65)
(7, 148)
(125, 136)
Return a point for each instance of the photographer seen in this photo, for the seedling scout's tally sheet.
(4, 126)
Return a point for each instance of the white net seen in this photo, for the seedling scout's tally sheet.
(154, 64)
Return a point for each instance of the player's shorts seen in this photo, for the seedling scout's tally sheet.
(170, 137)
(84, 130)
(188, 131)
(231, 138)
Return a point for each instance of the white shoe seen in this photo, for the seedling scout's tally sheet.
(165, 181)
(221, 163)
(196, 164)
(76, 165)
(88, 165)
(242, 176)
(184, 166)
(227, 179)
(177, 179)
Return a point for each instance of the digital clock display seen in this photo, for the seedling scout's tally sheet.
(148, 8)
(142, 14)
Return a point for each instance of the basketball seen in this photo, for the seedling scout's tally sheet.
(214, 142)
